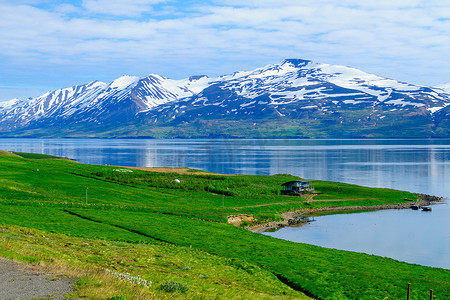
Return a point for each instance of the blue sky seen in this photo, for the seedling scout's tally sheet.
(45, 45)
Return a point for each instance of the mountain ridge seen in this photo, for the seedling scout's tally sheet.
(294, 98)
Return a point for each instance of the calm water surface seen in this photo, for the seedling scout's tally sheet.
(414, 165)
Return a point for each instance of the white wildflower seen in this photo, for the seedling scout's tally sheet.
(130, 278)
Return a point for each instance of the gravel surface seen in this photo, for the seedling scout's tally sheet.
(22, 281)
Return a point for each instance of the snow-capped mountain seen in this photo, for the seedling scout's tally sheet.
(295, 98)
(96, 102)
(9, 104)
(296, 81)
(445, 87)
(304, 99)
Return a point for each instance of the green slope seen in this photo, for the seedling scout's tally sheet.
(151, 208)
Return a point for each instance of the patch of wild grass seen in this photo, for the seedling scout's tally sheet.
(132, 267)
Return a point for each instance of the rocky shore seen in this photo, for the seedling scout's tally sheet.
(292, 218)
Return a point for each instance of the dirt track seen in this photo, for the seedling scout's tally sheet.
(22, 281)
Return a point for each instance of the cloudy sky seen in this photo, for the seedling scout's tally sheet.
(45, 45)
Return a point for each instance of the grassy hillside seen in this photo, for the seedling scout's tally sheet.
(102, 267)
(148, 224)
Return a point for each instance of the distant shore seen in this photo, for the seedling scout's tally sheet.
(291, 218)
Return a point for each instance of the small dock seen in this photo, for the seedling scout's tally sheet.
(300, 220)
(417, 207)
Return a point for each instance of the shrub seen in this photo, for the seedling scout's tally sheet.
(173, 286)
(212, 189)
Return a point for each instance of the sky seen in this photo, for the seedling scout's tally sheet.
(46, 45)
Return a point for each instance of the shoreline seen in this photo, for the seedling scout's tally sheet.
(290, 217)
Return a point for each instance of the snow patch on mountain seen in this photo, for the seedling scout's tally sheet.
(432, 110)
(445, 87)
(9, 104)
(155, 90)
(402, 102)
(123, 82)
(194, 84)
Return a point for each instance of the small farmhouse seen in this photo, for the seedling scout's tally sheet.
(296, 187)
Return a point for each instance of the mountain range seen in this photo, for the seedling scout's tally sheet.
(292, 99)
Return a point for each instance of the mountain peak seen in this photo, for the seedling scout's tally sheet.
(296, 62)
(196, 77)
(124, 81)
(10, 103)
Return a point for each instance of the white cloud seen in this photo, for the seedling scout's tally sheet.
(119, 7)
(66, 9)
(405, 40)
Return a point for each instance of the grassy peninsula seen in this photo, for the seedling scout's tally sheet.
(149, 234)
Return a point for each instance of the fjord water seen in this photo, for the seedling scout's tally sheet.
(421, 166)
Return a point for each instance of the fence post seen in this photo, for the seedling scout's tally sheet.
(409, 291)
(431, 294)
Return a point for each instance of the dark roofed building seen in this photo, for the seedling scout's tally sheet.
(295, 187)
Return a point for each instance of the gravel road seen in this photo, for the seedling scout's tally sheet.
(22, 281)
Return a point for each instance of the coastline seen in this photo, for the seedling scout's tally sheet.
(290, 217)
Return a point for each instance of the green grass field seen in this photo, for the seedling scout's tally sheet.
(176, 231)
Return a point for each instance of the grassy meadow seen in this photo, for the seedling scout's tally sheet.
(116, 228)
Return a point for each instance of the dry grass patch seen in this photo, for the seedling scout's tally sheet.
(8, 153)
(119, 270)
(182, 171)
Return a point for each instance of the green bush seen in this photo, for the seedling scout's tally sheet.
(212, 189)
(34, 155)
(173, 286)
